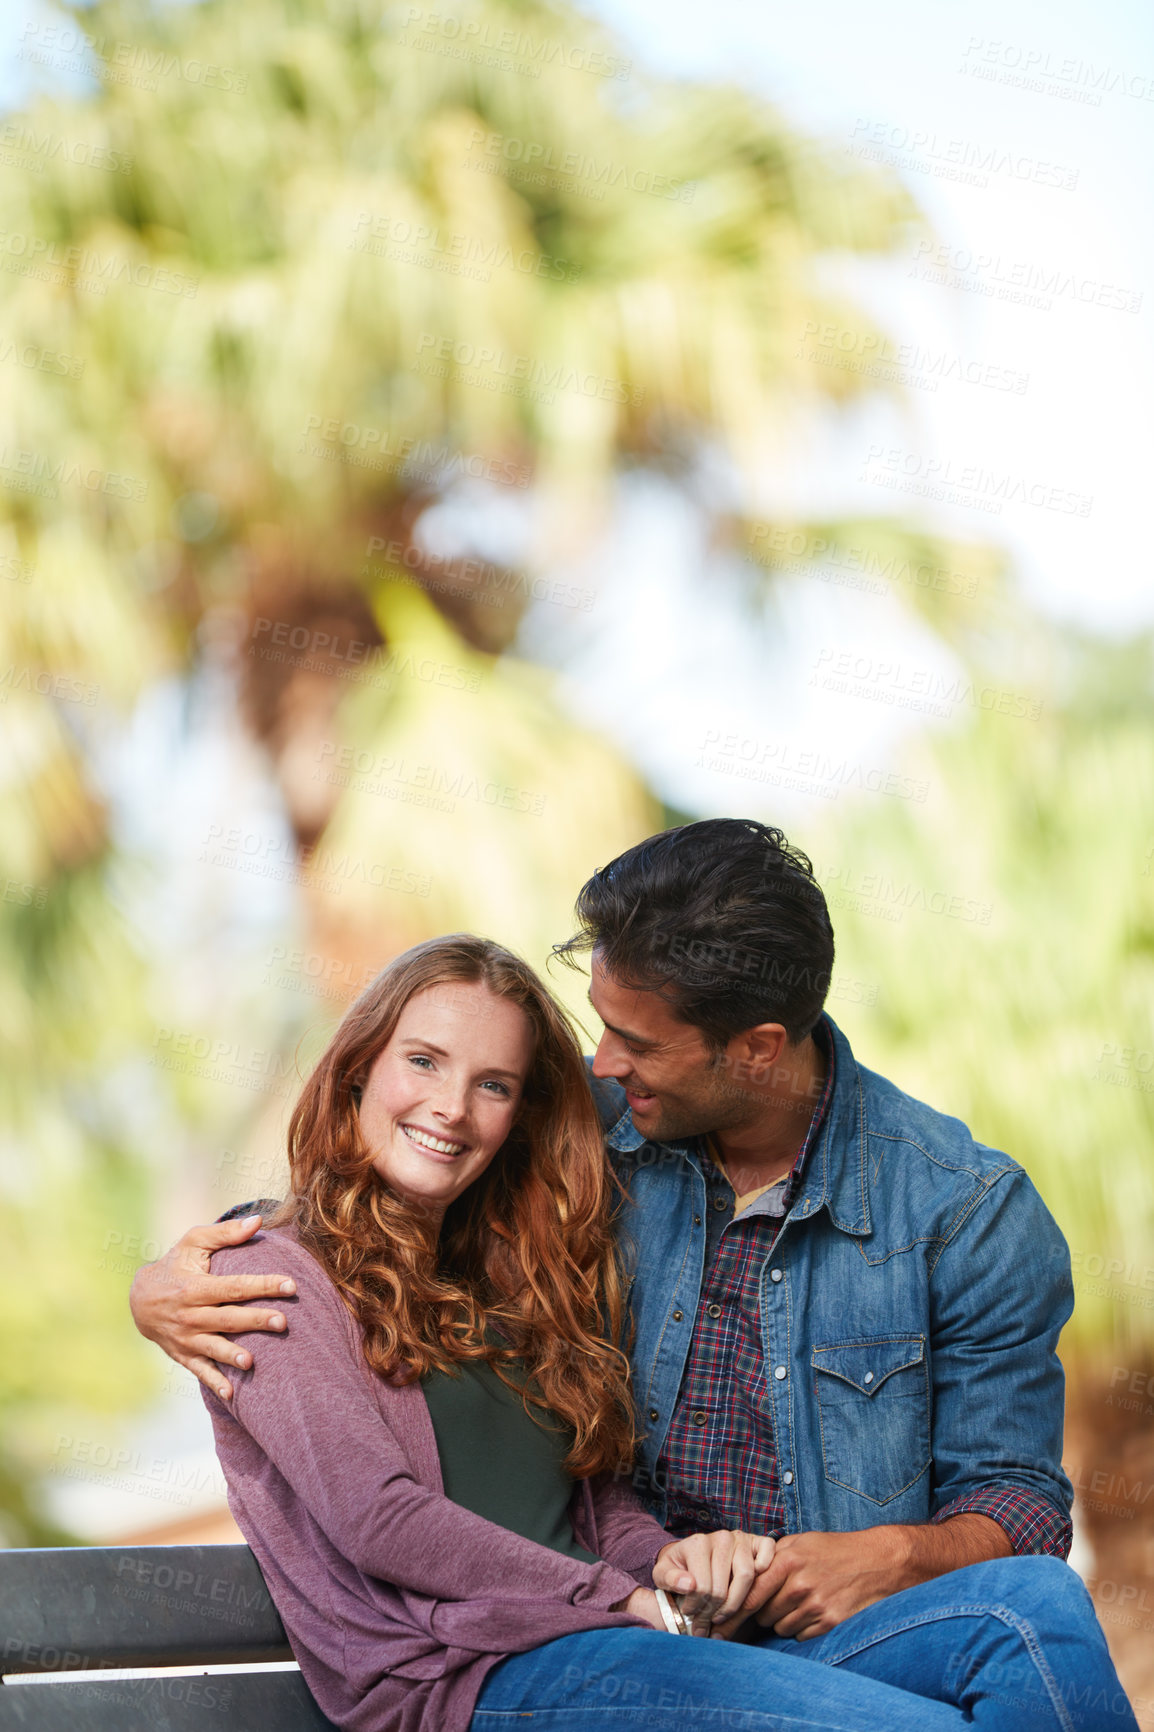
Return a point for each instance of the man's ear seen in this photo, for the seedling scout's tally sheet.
(764, 1045)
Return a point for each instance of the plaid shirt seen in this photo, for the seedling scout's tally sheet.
(719, 1462)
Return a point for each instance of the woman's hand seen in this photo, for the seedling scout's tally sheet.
(642, 1603)
(712, 1574)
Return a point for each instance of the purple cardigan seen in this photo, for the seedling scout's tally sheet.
(397, 1602)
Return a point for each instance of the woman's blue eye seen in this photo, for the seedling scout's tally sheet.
(423, 1061)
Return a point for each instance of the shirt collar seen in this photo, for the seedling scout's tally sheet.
(824, 1043)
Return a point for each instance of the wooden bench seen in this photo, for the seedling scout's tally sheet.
(88, 1609)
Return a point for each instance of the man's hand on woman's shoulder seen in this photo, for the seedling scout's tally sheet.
(178, 1303)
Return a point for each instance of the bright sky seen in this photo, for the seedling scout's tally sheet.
(1046, 280)
(932, 85)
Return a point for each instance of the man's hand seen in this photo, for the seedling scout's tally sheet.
(712, 1574)
(818, 1580)
(177, 1303)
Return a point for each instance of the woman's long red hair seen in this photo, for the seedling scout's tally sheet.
(528, 1248)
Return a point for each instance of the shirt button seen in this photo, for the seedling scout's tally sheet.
(713, 1310)
(779, 1372)
(653, 1413)
(787, 1478)
(720, 1203)
(869, 1377)
(697, 1220)
(677, 1316)
(775, 1274)
(699, 1416)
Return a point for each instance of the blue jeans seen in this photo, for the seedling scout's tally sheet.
(1011, 1642)
(1011, 1646)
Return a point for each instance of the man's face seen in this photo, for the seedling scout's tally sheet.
(674, 1085)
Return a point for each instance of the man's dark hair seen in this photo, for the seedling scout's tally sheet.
(723, 918)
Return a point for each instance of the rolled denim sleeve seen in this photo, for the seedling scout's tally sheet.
(1000, 1293)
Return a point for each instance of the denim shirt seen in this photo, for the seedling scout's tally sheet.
(910, 1309)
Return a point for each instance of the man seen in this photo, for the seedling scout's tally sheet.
(846, 1310)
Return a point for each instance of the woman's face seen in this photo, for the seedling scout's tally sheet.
(441, 1097)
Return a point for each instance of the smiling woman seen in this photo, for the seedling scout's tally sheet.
(448, 1175)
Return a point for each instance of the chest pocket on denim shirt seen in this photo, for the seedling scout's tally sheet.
(874, 1410)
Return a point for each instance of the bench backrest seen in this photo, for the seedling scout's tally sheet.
(92, 1608)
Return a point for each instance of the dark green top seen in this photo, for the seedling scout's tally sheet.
(498, 1462)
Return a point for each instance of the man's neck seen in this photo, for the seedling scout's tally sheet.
(763, 1149)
